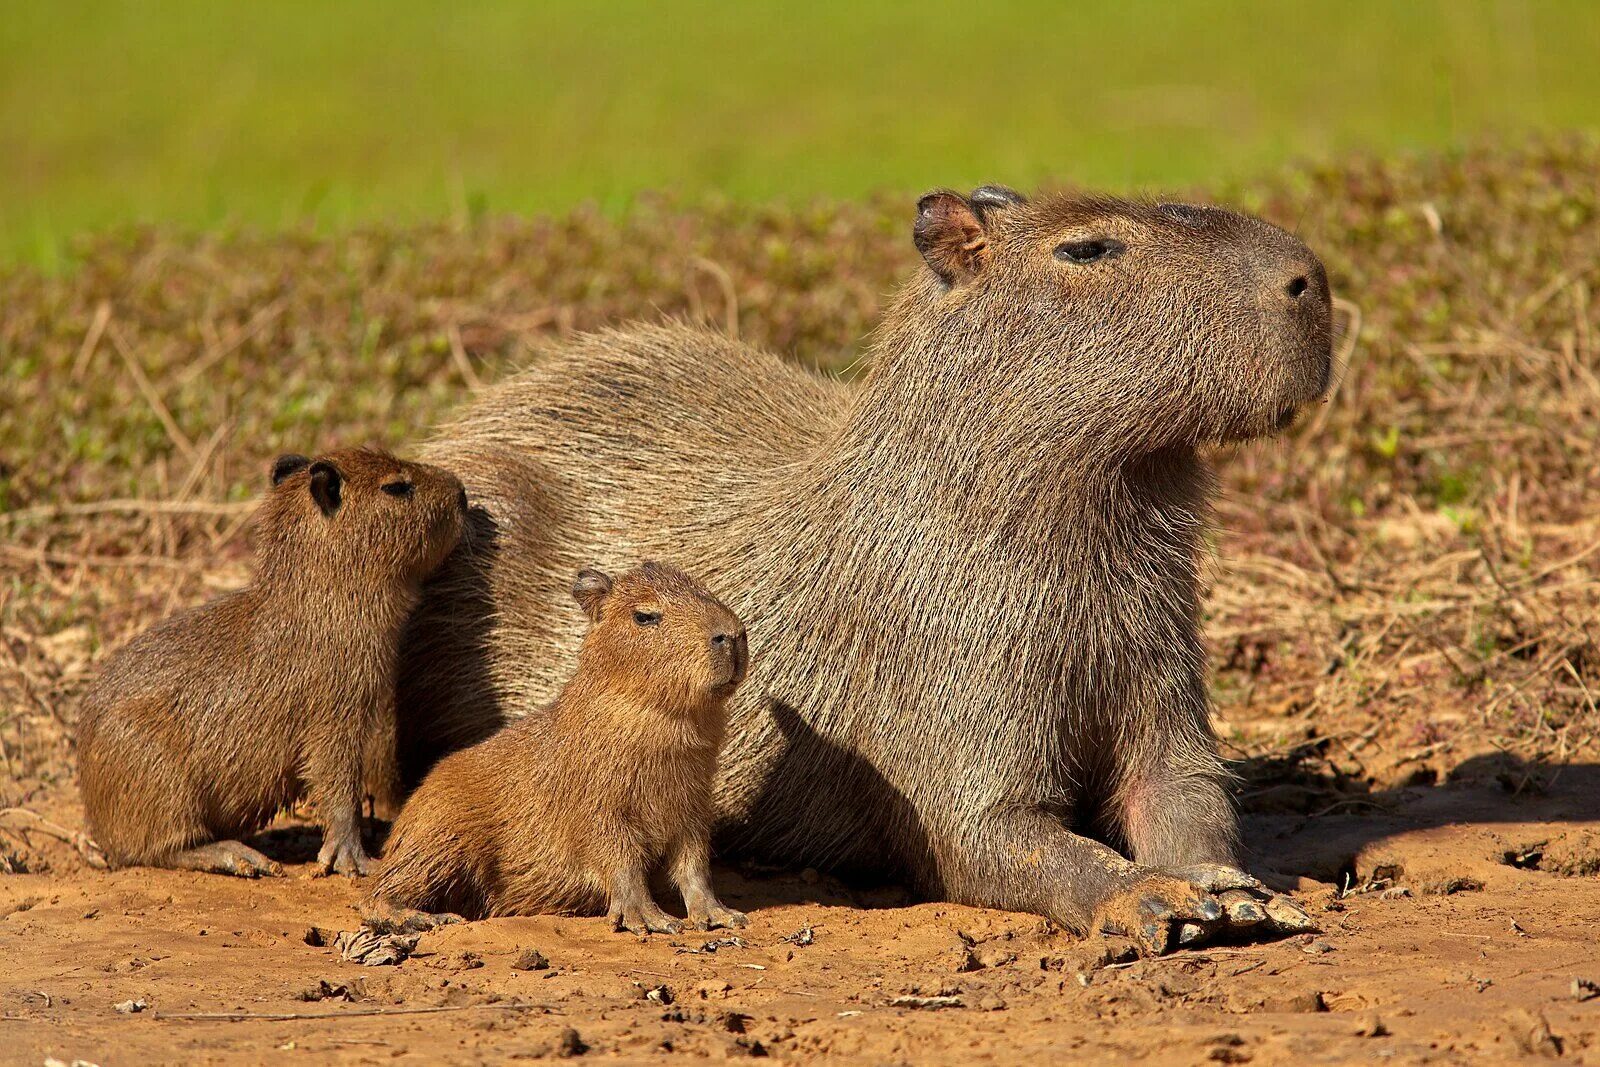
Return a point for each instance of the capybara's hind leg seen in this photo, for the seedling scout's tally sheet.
(225, 857)
(389, 918)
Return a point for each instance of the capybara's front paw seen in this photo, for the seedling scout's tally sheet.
(343, 857)
(718, 917)
(1169, 908)
(643, 921)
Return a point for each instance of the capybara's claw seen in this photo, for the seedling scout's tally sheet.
(1215, 877)
(1248, 902)
(253, 867)
(719, 917)
(1243, 908)
(1286, 917)
(644, 923)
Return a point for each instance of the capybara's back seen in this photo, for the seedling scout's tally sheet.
(164, 760)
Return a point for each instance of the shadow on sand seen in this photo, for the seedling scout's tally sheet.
(1317, 823)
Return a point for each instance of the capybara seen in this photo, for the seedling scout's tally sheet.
(591, 793)
(973, 576)
(207, 724)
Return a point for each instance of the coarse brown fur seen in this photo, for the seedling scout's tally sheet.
(207, 724)
(568, 809)
(971, 580)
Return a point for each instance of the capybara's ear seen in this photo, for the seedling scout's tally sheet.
(286, 465)
(987, 198)
(590, 589)
(326, 485)
(949, 234)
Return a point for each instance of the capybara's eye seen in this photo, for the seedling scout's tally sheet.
(646, 618)
(1087, 251)
(399, 489)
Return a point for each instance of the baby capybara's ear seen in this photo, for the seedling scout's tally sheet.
(326, 486)
(949, 233)
(987, 198)
(286, 465)
(590, 589)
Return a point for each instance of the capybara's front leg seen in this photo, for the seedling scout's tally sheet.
(1171, 798)
(335, 778)
(633, 908)
(691, 873)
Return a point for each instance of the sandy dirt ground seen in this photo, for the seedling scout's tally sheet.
(1459, 924)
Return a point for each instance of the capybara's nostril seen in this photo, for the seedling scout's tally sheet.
(1297, 286)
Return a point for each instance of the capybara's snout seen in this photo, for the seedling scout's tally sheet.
(1296, 304)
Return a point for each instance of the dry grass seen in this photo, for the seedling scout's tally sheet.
(1408, 578)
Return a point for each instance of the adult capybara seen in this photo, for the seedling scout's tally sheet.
(591, 793)
(971, 579)
(207, 724)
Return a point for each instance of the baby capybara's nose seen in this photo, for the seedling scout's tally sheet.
(733, 644)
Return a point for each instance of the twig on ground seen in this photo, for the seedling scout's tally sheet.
(151, 397)
(81, 842)
(458, 353)
(290, 1016)
(91, 339)
(130, 506)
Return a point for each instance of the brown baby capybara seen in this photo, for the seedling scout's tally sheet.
(206, 725)
(974, 574)
(590, 793)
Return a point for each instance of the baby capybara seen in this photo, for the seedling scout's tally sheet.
(209, 723)
(568, 810)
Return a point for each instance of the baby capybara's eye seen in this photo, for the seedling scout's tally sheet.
(647, 618)
(399, 489)
(1087, 251)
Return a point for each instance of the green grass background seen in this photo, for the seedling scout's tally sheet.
(287, 112)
